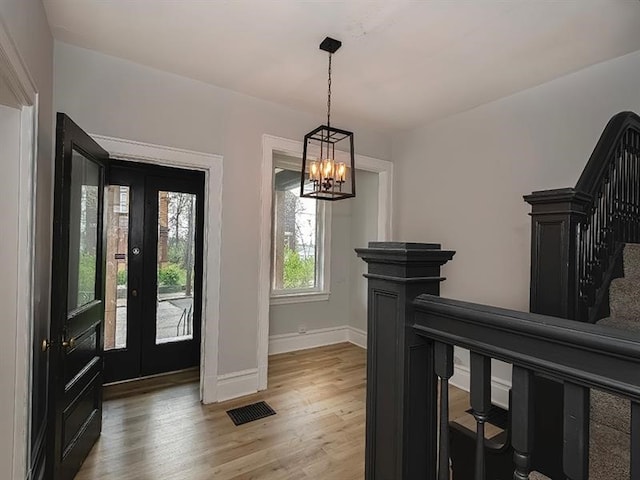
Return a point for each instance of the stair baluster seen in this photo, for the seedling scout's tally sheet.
(576, 432)
(635, 441)
(443, 367)
(480, 405)
(636, 150)
(522, 421)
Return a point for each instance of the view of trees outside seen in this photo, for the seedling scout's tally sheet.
(295, 232)
(87, 251)
(176, 229)
(175, 266)
(176, 255)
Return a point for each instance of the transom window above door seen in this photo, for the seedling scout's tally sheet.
(301, 233)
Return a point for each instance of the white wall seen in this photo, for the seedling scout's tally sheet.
(118, 98)
(9, 215)
(460, 181)
(364, 228)
(329, 313)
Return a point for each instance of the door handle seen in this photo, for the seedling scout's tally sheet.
(46, 344)
(134, 292)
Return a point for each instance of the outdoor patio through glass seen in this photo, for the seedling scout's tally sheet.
(174, 273)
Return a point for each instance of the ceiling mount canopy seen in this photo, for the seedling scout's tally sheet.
(328, 173)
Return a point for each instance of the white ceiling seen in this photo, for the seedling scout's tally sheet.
(402, 62)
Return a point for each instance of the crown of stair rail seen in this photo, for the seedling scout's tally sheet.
(590, 355)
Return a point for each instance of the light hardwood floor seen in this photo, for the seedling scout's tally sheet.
(318, 432)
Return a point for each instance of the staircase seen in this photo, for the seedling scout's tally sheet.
(610, 420)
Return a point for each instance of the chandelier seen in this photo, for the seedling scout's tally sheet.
(328, 173)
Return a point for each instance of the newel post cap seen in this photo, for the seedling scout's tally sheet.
(404, 260)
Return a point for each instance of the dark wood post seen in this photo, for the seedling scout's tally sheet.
(401, 384)
(555, 219)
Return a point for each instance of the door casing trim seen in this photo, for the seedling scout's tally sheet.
(23, 87)
(211, 165)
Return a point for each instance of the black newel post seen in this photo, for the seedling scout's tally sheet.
(555, 218)
(401, 383)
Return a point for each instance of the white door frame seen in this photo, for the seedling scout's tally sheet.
(23, 87)
(211, 164)
(294, 148)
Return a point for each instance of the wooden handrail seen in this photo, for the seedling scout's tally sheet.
(594, 356)
(580, 356)
(596, 169)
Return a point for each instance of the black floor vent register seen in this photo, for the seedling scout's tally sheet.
(249, 413)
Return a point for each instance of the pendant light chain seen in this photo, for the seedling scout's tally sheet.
(329, 95)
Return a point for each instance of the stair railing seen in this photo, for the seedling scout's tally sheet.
(577, 233)
(579, 356)
(410, 352)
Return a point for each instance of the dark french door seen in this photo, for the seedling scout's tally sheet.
(153, 282)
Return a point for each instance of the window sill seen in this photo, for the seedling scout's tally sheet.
(285, 299)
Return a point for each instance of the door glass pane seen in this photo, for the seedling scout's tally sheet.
(176, 254)
(115, 329)
(83, 228)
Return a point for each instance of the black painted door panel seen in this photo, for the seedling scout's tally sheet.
(77, 301)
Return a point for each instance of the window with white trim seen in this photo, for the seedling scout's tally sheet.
(300, 247)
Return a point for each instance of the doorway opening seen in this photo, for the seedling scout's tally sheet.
(154, 265)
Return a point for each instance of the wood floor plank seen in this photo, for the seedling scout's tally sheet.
(317, 433)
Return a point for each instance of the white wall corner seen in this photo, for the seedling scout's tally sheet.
(237, 384)
(499, 387)
(357, 337)
(263, 370)
(209, 389)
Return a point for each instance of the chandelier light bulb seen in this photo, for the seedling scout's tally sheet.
(314, 171)
(341, 172)
(327, 168)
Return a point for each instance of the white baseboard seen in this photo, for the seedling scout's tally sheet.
(357, 337)
(291, 342)
(237, 384)
(499, 387)
(245, 382)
